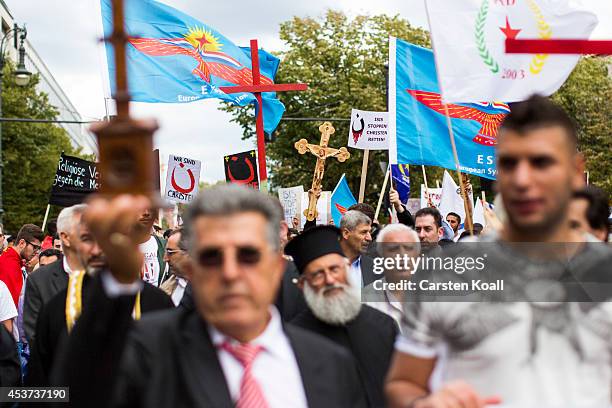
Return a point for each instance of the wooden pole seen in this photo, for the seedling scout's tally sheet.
(461, 184)
(364, 174)
(46, 217)
(427, 196)
(382, 192)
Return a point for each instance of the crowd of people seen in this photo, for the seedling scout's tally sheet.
(237, 308)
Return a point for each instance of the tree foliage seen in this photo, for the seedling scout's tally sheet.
(586, 97)
(30, 152)
(343, 61)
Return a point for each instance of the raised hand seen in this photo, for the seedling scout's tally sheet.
(112, 223)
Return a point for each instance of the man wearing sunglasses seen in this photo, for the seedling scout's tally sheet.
(176, 259)
(26, 247)
(232, 349)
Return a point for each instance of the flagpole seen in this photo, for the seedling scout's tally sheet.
(450, 131)
(382, 192)
(364, 174)
(468, 215)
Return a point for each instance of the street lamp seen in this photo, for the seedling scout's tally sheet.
(22, 78)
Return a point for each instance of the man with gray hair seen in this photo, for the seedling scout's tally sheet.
(355, 238)
(394, 240)
(47, 281)
(231, 349)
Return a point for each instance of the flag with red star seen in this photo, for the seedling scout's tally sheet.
(470, 49)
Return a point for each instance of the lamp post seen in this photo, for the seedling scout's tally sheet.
(22, 77)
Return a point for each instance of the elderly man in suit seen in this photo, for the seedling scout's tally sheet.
(231, 350)
(49, 280)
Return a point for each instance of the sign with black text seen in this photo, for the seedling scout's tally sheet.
(241, 168)
(182, 179)
(368, 130)
(74, 180)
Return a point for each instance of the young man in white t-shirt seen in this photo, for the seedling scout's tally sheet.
(152, 248)
(520, 353)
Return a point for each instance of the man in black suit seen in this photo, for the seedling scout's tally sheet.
(49, 280)
(335, 309)
(57, 316)
(232, 349)
(355, 239)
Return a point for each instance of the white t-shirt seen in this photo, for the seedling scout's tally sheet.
(150, 269)
(7, 308)
(531, 354)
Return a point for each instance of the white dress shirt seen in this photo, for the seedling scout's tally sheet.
(179, 291)
(275, 367)
(67, 268)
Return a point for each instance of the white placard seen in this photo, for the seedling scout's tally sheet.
(434, 193)
(182, 179)
(291, 200)
(369, 130)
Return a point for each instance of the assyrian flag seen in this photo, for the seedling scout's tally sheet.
(469, 45)
(341, 199)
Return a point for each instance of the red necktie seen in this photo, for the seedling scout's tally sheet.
(251, 395)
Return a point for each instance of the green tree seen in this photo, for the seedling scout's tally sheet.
(30, 152)
(343, 61)
(586, 97)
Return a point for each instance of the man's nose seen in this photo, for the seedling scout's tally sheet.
(522, 175)
(230, 269)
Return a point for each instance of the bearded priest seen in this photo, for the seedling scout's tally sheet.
(335, 310)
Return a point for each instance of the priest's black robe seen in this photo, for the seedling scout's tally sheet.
(167, 359)
(369, 337)
(51, 327)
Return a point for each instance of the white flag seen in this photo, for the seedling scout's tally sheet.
(451, 200)
(469, 45)
(479, 217)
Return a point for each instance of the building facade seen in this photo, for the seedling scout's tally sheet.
(78, 133)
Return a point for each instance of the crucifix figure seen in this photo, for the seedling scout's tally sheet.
(322, 152)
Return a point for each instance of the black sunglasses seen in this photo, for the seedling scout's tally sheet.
(213, 257)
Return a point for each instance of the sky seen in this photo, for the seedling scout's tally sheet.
(65, 34)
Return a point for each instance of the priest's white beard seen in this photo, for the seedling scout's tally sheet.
(337, 309)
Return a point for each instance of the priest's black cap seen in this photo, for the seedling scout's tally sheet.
(313, 244)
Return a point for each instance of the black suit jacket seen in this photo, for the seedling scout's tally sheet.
(52, 331)
(42, 284)
(168, 360)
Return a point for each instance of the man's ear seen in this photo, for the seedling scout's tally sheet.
(65, 239)
(300, 283)
(440, 232)
(345, 233)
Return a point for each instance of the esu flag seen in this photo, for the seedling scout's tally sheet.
(418, 126)
(174, 58)
(400, 174)
(341, 199)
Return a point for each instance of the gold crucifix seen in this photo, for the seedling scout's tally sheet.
(322, 152)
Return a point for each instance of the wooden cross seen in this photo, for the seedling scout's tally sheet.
(257, 89)
(322, 152)
(125, 145)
